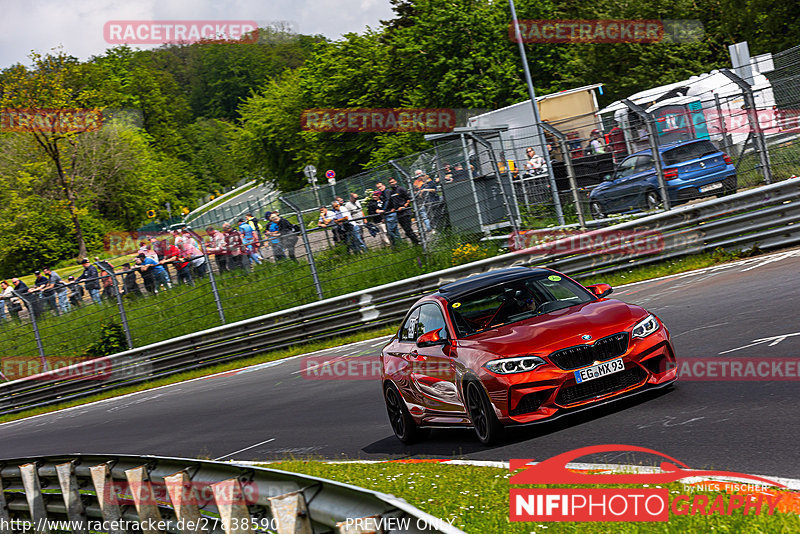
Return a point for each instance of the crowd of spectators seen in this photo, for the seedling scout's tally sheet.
(163, 261)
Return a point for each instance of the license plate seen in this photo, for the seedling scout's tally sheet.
(711, 187)
(601, 369)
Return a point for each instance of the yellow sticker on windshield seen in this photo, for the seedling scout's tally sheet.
(554, 278)
(456, 304)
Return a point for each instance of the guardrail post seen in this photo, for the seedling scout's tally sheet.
(291, 513)
(302, 224)
(5, 520)
(143, 499)
(33, 493)
(652, 135)
(76, 512)
(573, 184)
(420, 227)
(211, 278)
(232, 507)
(107, 498)
(36, 333)
(755, 127)
(123, 316)
(184, 501)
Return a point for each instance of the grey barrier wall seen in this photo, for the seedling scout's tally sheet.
(765, 218)
(151, 494)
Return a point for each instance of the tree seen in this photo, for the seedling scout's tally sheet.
(57, 82)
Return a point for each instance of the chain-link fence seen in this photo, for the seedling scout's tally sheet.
(452, 204)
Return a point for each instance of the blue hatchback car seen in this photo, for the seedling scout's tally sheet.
(692, 169)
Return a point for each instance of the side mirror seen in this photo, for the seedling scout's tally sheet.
(608, 178)
(428, 339)
(600, 290)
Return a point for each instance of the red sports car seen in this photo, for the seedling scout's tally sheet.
(518, 346)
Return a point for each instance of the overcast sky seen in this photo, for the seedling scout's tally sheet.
(77, 25)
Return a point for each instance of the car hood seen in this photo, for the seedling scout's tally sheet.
(546, 333)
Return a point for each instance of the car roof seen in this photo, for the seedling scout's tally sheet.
(457, 289)
(668, 146)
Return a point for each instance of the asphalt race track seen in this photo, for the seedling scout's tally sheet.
(274, 411)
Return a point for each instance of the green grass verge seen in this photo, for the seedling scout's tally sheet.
(477, 498)
(222, 367)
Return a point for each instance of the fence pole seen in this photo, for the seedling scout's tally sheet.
(211, 278)
(420, 227)
(723, 128)
(652, 135)
(573, 183)
(511, 216)
(36, 334)
(301, 223)
(537, 123)
(123, 316)
(755, 127)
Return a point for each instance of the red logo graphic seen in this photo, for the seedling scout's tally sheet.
(378, 120)
(55, 368)
(622, 504)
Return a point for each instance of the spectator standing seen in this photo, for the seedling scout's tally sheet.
(399, 211)
(174, 255)
(12, 303)
(348, 229)
(595, 145)
(108, 281)
(60, 289)
(237, 259)
(376, 206)
(75, 292)
(535, 163)
(159, 273)
(190, 249)
(216, 246)
(146, 248)
(91, 280)
(389, 217)
(327, 220)
(289, 233)
(37, 295)
(274, 233)
(130, 288)
(21, 288)
(250, 242)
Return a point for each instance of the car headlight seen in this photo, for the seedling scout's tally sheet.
(646, 326)
(521, 364)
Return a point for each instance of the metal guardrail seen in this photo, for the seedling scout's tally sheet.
(765, 217)
(119, 494)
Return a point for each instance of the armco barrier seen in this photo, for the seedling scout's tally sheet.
(155, 494)
(765, 217)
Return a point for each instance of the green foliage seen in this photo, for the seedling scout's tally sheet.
(111, 341)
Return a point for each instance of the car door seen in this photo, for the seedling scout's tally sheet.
(640, 181)
(434, 372)
(618, 190)
(398, 360)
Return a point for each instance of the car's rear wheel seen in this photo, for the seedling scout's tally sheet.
(402, 423)
(484, 420)
(730, 186)
(597, 210)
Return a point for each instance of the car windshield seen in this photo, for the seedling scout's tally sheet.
(514, 301)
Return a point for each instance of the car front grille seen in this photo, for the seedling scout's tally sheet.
(582, 355)
(600, 386)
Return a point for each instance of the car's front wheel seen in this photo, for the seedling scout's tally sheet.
(484, 420)
(651, 200)
(402, 423)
